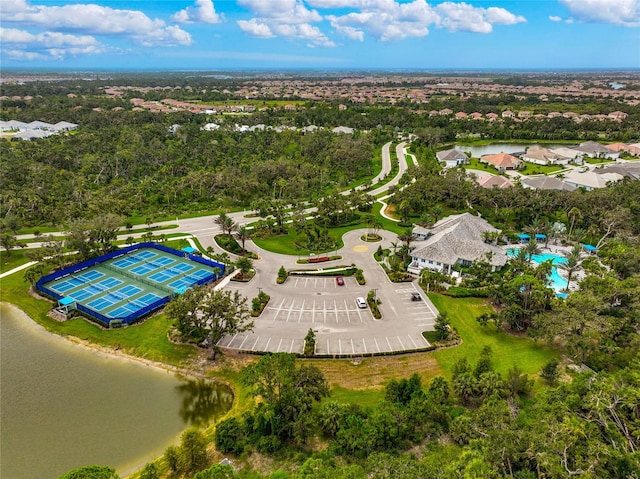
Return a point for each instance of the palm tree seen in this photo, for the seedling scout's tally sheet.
(532, 248)
(227, 225)
(573, 214)
(572, 264)
(243, 234)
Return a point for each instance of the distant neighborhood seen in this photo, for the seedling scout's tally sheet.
(575, 174)
(35, 129)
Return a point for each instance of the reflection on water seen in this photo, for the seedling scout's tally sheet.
(64, 406)
(203, 401)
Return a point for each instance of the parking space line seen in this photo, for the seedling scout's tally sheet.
(233, 339)
(353, 349)
(400, 341)
(328, 348)
(301, 311)
(414, 343)
(279, 344)
(292, 343)
(346, 308)
(390, 348)
(242, 343)
(278, 309)
(266, 346)
(376, 341)
(253, 348)
(324, 310)
(313, 312)
(290, 311)
(295, 285)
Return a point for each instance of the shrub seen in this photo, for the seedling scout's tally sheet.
(310, 343)
(282, 275)
(359, 275)
(228, 243)
(460, 292)
(259, 303)
(229, 436)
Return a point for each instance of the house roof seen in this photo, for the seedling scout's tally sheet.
(459, 237)
(451, 155)
(502, 159)
(625, 169)
(495, 181)
(539, 153)
(591, 179)
(592, 147)
(546, 183)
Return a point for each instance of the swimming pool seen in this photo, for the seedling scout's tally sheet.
(558, 283)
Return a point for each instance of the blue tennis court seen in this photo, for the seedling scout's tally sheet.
(127, 284)
(134, 305)
(152, 265)
(94, 289)
(77, 280)
(190, 279)
(172, 272)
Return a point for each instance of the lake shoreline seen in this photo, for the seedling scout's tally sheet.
(116, 353)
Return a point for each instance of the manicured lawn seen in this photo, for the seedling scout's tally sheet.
(17, 257)
(531, 169)
(508, 350)
(475, 164)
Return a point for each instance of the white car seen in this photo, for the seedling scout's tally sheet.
(361, 302)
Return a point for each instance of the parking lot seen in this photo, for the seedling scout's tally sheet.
(340, 326)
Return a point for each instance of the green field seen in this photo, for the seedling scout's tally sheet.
(508, 350)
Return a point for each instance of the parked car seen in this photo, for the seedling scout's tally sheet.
(361, 302)
(340, 281)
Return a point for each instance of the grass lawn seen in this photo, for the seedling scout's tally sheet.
(531, 169)
(508, 350)
(475, 164)
(16, 258)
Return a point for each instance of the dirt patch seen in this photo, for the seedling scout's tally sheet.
(374, 373)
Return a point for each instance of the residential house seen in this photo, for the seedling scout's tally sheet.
(508, 114)
(631, 170)
(624, 148)
(452, 158)
(545, 183)
(590, 179)
(617, 115)
(593, 149)
(345, 130)
(455, 240)
(502, 161)
(543, 156)
(495, 181)
(575, 156)
(492, 116)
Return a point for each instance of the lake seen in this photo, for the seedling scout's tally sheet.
(492, 149)
(65, 406)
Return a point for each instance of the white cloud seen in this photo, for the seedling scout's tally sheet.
(385, 20)
(285, 18)
(95, 20)
(389, 20)
(618, 12)
(21, 44)
(203, 12)
(255, 28)
(555, 18)
(464, 17)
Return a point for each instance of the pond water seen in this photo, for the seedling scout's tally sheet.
(492, 149)
(65, 406)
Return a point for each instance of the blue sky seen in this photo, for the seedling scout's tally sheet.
(319, 34)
